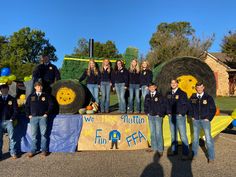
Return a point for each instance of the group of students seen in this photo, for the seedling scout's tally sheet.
(200, 108)
(120, 79)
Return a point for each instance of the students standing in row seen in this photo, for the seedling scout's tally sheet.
(92, 74)
(134, 86)
(105, 85)
(177, 108)
(120, 78)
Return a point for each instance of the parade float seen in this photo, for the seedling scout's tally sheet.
(77, 127)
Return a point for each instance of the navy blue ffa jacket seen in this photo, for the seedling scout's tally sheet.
(106, 76)
(120, 76)
(47, 73)
(38, 106)
(155, 105)
(177, 103)
(134, 77)
(8, 108)
(203, 108)
(146, 77)
(92, 78)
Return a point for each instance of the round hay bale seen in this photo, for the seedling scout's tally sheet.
(187, 70)
(70, 95)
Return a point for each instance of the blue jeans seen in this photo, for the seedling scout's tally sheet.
(144, 91)
(105, 101)
(8, 125)
(93, 88)
(134, 88)
(120, 91)
(41, 123)
(178, 122)
(206, 126)
(155, 123)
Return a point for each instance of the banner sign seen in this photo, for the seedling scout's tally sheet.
(121, 132)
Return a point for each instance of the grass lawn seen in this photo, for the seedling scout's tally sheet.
(226, 104)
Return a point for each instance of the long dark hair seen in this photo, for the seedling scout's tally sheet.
(122, 64)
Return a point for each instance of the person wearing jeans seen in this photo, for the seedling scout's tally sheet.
(38, 107)
(120, 77)
(134, 86)
(120, 91)
(154, 107)
(202, 111)
(105, 85)
(8, 112)
(177, 108)
(145, 78)
(93, 76)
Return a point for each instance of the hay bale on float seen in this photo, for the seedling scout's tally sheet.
(188, 70)
(70, 95)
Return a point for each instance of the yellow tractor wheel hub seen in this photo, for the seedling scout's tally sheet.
(65, 96)
(187, 83)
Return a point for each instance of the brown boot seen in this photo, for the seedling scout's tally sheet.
(30, 155)
(44, 154)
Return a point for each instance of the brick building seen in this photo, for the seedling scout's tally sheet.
(224, 71)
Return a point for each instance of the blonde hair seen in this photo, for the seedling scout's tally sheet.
(109, 66)
(148, 65)
(95, 69)
(136, 68)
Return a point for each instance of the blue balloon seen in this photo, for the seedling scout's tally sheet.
(5, 72)
(234, 123)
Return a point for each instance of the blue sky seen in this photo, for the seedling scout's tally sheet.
(126, 22)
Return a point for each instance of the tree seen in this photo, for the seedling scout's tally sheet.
(82, 49)
(228, 45)
(175, 39)
(101, 50)
(21, 51)
(130, 54)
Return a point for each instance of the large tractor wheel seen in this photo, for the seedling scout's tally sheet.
(70, 95)
(188, 71)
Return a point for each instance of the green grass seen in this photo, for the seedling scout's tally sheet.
(227, 104)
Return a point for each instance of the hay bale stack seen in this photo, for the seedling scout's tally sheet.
(185, 66)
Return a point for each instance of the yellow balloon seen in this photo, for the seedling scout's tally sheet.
(12, 77)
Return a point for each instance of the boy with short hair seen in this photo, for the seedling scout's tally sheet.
(154, 107)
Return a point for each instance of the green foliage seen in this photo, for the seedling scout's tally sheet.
(130, 54)
(228, 45)
(174, 40)
(22, 50)
(101, 50)
(72, 69)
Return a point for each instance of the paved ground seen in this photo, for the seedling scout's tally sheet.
(124, 163)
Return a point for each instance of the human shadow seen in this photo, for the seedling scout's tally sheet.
(153, 169)
(180, 168)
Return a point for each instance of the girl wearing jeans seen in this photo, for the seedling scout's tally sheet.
(145, 77)
(120, 77)
(134, 86)
(92, 74)
(105, 85)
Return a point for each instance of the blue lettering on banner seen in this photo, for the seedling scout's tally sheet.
(99, 139)
(135, 119)
(88, 119)
(135, 137)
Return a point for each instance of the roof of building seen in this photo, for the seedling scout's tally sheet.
(223, 59)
